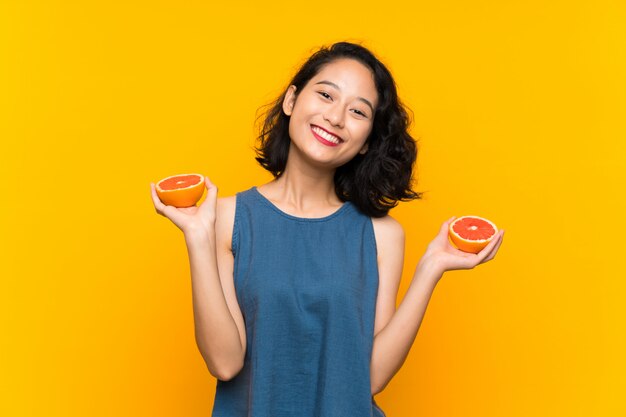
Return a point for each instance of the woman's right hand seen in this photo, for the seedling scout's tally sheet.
(190, 219)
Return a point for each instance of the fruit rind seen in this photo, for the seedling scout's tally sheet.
(181, 197)
(158, 187)
(471, 246)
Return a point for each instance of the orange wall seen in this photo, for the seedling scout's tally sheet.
(520, 113)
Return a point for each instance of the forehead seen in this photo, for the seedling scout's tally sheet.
(352, 77)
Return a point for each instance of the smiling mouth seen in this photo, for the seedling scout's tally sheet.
(335, 140)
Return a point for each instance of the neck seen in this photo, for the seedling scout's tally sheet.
(304, 188)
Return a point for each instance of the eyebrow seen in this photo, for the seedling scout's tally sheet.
(332, 84)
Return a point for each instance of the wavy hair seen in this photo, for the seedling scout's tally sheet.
(375, 181)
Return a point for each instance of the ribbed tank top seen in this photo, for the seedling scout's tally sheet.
(307, 290)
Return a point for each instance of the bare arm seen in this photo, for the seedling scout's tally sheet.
(393, 343)
(220, 340)
(218, 321)
(387, 355)
(396, 331)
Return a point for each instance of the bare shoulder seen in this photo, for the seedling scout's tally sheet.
(226, 204)
(225, 220)
(388, 231)
(389, 235)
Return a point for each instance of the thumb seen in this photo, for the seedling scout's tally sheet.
(446, 224)
(208, 184)
(210, 187)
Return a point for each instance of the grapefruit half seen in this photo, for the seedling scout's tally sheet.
(183, 190)
(471, 233)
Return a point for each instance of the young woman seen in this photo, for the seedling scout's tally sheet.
(295, 281)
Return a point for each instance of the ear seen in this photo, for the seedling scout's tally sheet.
(290, 100)
(364, 149)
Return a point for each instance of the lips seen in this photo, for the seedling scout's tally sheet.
(325, 136)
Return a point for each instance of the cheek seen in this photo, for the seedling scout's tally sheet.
(291, 127)
(363, 130)
(297, 126)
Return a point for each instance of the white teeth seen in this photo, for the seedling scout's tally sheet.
(326, 135)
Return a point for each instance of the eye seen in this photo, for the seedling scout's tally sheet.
(324, 94)
(360, 113)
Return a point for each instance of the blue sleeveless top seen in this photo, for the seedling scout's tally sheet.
(307, 290)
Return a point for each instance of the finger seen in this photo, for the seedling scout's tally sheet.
(482, 255)
(208, 183)
(493, 246)
(158, 204)
(155, 197)
(493, 252)
(445, 226)
(211, 188)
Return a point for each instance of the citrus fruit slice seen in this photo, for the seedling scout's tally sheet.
(471, 233)
(182, 190)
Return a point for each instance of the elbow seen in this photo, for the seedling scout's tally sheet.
(226, 373)
(378, 380)
(222, 367)
(377, 387)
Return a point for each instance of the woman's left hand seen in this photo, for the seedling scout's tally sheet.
(443, 256)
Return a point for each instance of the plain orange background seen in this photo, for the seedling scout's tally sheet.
(519, 109)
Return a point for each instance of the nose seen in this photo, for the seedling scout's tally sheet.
(334, 115)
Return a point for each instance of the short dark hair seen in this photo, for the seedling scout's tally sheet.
(374, 181)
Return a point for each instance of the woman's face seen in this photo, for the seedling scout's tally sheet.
(332, 116)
